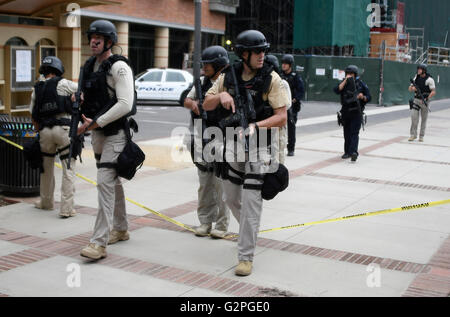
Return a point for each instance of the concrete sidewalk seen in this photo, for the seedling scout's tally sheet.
(397, 254)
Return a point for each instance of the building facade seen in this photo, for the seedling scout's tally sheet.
(152, 33)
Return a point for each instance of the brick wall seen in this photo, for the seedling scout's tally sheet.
(174, 11)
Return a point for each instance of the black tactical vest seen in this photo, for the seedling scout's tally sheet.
(421, 83)
(213, 117)
(257, 86)
(48, 103)
(290, 78)
(349, 96)
(97, 99)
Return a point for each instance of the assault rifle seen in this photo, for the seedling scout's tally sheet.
(245, 111)
(420, 94)
(351, 90)
(76, 141)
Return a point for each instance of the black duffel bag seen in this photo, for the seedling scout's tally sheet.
(132, 157)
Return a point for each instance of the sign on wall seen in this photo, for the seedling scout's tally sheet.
(23, 68)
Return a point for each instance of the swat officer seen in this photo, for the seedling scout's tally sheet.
(211, 206)
(354, 96)
(51, 109)
(427, 87)
(273, 60)
(243, 187)
(297, 91)
(108, 93)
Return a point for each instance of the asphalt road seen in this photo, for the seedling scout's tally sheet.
(158, 121)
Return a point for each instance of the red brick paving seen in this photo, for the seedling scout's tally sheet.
(379, 181)
(433, 280)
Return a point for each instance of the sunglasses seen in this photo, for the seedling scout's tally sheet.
(259, 50)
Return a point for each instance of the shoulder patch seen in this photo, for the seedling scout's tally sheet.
(122, 72)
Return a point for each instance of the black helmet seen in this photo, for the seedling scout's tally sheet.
(103, 27)
(287, 59)
(423, 67)
(248, 40)
(273, 60)
(352, 69)
(51, 64)
(215, 55)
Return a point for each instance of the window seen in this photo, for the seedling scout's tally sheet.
(153, 76)
(174, 77)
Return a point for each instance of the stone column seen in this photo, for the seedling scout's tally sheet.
(69, 46)
(122, 32)
(162, 47)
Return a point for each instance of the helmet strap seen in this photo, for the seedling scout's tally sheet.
(105, 48)
(247, 62)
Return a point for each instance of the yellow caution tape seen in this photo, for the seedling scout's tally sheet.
(128, 199)
(12, 143)
(360, 215)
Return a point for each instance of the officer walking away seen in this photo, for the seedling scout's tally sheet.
(273, 60)
(211, 205)
(108, 93)
(354, 96)
(427, 88)
(51, 112)
(243, 187)
(297, 91)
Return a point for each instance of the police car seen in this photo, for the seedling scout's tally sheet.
(164, 86)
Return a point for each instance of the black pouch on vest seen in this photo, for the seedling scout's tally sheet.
(132, 157)
(274, 183)
(33, 155)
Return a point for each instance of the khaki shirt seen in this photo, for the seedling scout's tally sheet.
(276, 95)
(65, 88)
(192, 94)
(120, 78)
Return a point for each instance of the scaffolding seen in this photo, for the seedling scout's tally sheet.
(438, 55)
(275, 19)
(416, 44)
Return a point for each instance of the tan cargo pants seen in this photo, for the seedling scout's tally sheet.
(415, 114)
(111, 198)
(51, 141)
(211, 205)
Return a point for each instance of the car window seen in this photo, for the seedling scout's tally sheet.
(174, 77)
(153, 76)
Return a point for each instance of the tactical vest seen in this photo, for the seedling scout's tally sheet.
(48, 103)
(349, 96)
(421, 83)
(97, 99)
(213, 116)
(290, 78)
(257, 86)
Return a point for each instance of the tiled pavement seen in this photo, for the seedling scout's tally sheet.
(161, 259)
